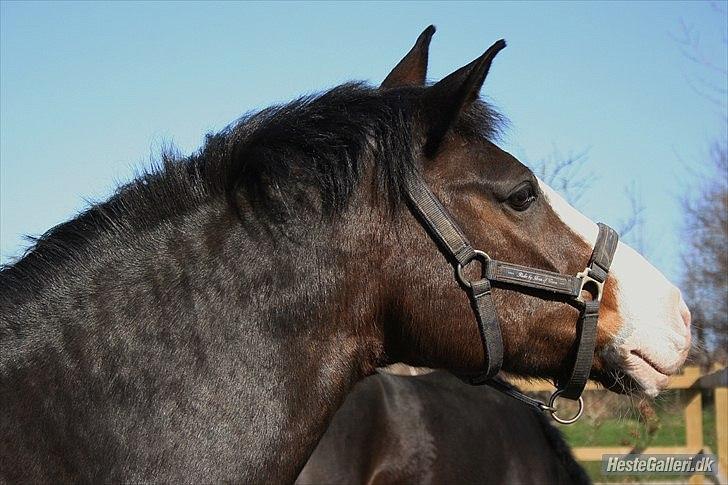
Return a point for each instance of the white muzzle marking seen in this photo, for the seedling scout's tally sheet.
(654, 339)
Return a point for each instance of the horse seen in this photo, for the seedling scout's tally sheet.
(433, 428)
(207, 320)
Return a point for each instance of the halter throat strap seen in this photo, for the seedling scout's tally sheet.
(546, 284)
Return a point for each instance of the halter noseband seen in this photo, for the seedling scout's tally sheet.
(547, 284)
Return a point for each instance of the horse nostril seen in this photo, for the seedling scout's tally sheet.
(685, 312)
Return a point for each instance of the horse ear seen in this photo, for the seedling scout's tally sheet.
(412, 69)
(444, 101)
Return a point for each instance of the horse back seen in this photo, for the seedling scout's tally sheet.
(435, 429)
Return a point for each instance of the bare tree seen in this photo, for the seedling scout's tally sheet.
(631, 227)
(708, 79)
(705, 205)
(565, 175)
(705, 258)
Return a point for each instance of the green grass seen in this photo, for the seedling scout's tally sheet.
(666, 429)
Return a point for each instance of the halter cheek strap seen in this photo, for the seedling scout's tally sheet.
(547, 284)
(592, 280)
(453, 242)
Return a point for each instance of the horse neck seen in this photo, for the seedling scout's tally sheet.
(233, 333)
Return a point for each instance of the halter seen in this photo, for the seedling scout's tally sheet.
(547, 284)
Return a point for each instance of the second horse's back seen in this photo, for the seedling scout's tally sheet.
(432, 428)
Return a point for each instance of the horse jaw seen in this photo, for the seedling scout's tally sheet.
(653, 339)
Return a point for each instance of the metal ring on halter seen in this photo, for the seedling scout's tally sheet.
(553, 409)
(480, 256)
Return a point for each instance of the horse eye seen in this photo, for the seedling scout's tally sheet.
(522, 198)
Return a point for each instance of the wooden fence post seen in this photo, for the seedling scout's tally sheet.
(721, 428)
(694, 420)
(691, 382)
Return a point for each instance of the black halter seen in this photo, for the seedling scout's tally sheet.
(443, 229)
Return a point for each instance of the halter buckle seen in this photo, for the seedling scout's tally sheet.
(593, 286)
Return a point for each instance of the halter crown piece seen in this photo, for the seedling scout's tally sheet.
(548, 284)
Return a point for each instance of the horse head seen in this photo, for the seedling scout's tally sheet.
(643, 332)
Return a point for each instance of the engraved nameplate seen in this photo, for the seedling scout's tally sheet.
(546, 280)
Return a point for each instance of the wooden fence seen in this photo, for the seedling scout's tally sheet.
(692, 381)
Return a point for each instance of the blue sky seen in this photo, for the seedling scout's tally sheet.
(90, 91)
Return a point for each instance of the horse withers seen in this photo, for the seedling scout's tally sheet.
(206, 322)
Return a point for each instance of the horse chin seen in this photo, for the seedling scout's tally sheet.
(634, 374)
(620, 382)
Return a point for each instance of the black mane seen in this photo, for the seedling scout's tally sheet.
(306, 155)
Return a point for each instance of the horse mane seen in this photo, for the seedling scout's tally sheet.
(270, 162)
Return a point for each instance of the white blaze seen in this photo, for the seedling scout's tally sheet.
(655, 337)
